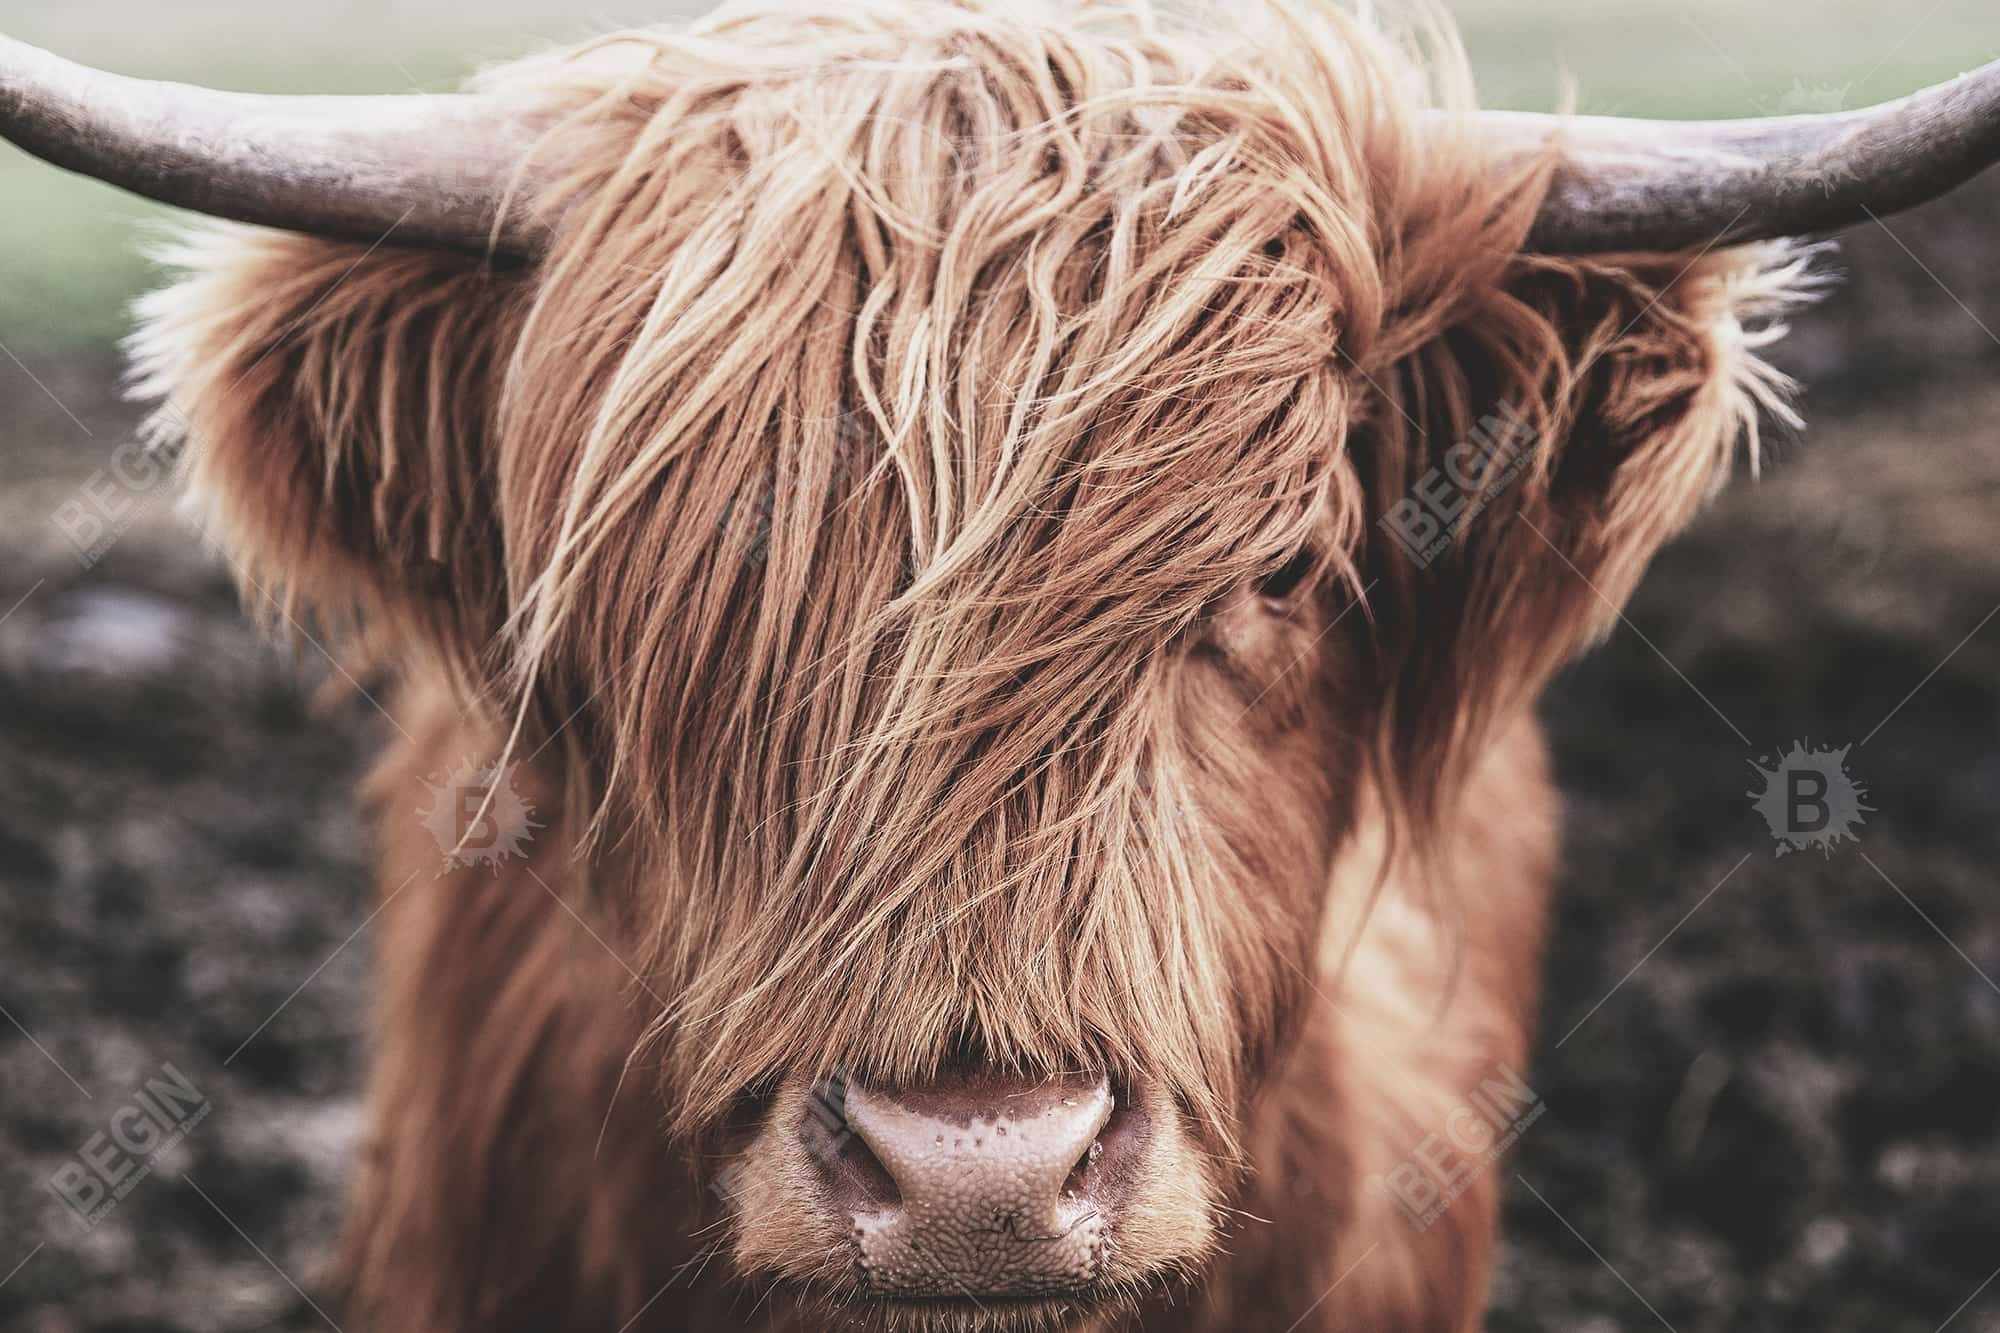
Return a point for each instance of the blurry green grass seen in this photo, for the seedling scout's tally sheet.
(71, 250)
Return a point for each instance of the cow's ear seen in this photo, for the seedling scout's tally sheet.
(1529, 460)
(336, 405)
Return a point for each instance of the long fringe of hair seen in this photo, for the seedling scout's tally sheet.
(906, 383)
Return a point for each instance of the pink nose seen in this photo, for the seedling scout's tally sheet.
(979, 1186)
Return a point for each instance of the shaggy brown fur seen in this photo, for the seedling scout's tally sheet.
(854, 527)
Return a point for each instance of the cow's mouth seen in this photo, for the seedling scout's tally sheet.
(1081, 1312)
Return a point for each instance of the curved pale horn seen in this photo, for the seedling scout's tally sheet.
(431, 170)
(1673, 185)
(435, 170)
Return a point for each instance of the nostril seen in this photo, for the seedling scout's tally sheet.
(855, 1176)
(1078, 1180)
(1111, 1156)
(871, 1182)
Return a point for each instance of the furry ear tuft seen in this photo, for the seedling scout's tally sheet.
(1530, 462)
(339, 403)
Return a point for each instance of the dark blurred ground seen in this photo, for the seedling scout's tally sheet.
(1784, 1118)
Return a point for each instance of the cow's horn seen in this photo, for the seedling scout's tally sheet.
(414, 169)
(1672, 185)
(435, 170)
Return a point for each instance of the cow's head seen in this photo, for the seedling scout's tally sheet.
(986, 508)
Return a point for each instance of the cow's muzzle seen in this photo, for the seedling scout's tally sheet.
(982, 1187)
(978, 1190)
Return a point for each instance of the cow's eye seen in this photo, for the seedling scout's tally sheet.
(1283, 581)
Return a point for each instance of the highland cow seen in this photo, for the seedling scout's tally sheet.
(1011, 553)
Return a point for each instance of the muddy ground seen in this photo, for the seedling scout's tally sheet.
(1770, 1104)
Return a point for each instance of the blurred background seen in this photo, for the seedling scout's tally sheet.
(1772, 1084)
